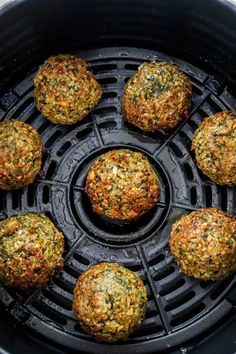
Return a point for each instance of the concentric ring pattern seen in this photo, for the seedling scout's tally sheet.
(176, 304)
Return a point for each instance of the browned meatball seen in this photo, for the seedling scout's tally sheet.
(20, 154)
(110, 301)
(122, 184)
(65, 91)
(214, 144)
(157, 97)
(204, 244)
(30, 251)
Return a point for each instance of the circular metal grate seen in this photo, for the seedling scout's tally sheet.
(179, 307)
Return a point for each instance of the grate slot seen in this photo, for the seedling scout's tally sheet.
(31, 191)
(188, 171)
(26, 105)
(64, 284)
(82, 134)
(58, 300)
(53, 138)
(103, 68)
(220, 288)
(133, 67)
(188, 316)
(16, 199)
(172, 287)
(109, 94)
(208, 195)
(74, 272)
(51, 169)
(187, 141)
(164, 273)
(206, 283)
(105, 111)
(176, 150)
(158, 259)
(49, 312)
(181, 300)
(107, 125)
(223, 198)
(193, 195)
(46, 194)
(79, 258)
(107, 80)
(2, 200)
(44, 126)
(64, 148)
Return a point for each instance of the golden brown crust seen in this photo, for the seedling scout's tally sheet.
(30, 250)
(157, 97)
(214, 144)
(110, 301)
(20, 154)
(122, 184)
(204, 244)
(65, 91)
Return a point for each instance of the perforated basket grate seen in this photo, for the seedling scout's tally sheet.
(179, 307)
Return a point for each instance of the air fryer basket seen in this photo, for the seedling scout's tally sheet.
(115, 37)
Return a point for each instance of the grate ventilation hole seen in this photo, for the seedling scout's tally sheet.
(49, 312)
(74, 272)
(193, 195)
(82, 134)
(81, 259)
(107, 125)
(53, 138)
(16, 199)
(181, 300)
(105, 111)
(224, 198)
(58, 299)
(187, 141)
(44, 126)
(109, 94)
(164, 273)
(23, 107)
(172, 287)
(64, 148)
(2, 200)
(220, 288)
(103, 67)
(107, 80)
(133, 67)
(31, 195)
(188, 171)
(188, 316)
(51, 169)
(208, 195)
(158, 259)
(46, 194)
(64, 285)
(176, 150)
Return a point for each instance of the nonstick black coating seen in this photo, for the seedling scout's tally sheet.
(202, 33)
(179, 307)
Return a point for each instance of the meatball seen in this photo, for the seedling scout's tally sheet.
(157, 97)
(65, 91)
(110, 301)
(214, 144)
(20, 154)
(30, 251)
(204, 244)
(122, 184)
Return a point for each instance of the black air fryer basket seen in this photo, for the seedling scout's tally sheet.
(115, 37)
